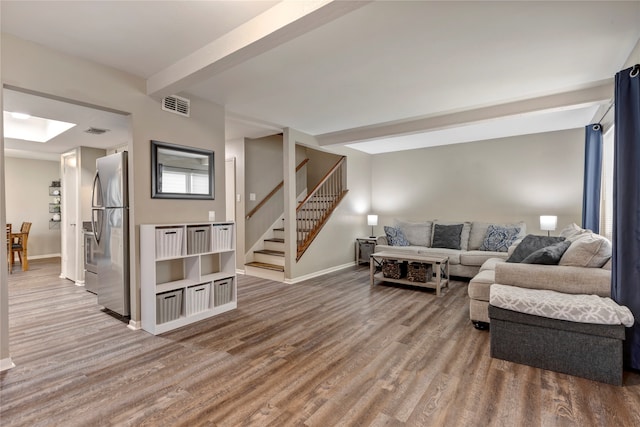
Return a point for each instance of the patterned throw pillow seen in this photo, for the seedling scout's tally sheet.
(395, 236)
(498, 238)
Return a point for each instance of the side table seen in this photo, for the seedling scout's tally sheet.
(365, 246)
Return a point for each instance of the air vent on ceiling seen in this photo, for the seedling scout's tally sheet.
(176, 104)
(96, 131)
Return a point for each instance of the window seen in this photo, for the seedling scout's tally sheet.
(176, 180)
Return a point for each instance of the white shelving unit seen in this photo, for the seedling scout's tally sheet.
(187, 273)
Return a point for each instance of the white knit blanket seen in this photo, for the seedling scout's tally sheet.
(556, 305)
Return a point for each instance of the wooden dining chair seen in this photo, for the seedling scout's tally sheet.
(9, 253)
(19, 246)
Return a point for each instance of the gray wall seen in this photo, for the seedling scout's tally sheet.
(263, 172)
(334, 246)
(76, 79)
(320, 162)
(27, 194)
(507, 179)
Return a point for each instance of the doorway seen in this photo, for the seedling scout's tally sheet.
(31, 166)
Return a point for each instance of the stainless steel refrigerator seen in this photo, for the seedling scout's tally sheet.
(110, 221)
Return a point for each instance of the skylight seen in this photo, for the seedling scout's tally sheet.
(31, 128)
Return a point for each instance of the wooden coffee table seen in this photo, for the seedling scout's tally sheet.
(440, 266)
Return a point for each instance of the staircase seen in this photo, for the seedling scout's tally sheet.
(268, 262)
(311, 215)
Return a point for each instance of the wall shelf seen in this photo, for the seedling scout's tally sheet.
(55, 191)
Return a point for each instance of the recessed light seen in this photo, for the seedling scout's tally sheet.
(31, 128)
(20, 116)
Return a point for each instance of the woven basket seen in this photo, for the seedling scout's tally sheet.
(419, 272)
(393, 269)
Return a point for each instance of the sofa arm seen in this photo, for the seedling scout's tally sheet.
(559, 278)
(381, 240)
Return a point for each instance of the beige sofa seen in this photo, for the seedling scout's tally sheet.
(585, 268)
(464, 262)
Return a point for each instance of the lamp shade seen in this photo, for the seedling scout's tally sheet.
(372, 219)
(548, 222)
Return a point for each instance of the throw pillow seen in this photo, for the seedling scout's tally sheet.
(479, 231)
(530, 244)
(447, 236)
(549, 255)
(588, 250)
(417, 233)
(464, 235)
(498, 238)
(395, 236)
(573, 232)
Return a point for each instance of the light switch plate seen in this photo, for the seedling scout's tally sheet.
(212, 215)
(252, 197)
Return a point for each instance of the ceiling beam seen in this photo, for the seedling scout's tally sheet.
(598, 94)
(282, 23)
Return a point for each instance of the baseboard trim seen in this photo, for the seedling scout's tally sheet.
(134, 325)
(6, 364)
(317, 273)
(44, 256)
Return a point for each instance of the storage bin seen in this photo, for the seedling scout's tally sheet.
(198, 298)
(168, 242)
(168, 306)
(419, 272)
(222, 237)
(222, 291)
(198, 239)
(393, 269)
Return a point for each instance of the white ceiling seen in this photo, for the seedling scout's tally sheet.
(381, 76)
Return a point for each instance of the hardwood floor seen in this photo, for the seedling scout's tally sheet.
(327, 352)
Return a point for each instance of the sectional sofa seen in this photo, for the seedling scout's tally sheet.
(468, 244)
(581, 266)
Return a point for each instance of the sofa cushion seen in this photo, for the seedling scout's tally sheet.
(588, 250)
(464, 235)
(549, 255)
(498, 238)
(561, 306)
(573, 231)
(395, 237)
(453, 254)
(491, 263)
(480, 285)
(567, 279)
(446, 236)
(478, 258)
(479, 231)
(417, 233)
(530, 244)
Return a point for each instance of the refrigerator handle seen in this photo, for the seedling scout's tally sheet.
(96, 223)
(96, 186)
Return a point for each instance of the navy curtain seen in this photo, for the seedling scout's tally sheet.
(592, 178)
(625, 277)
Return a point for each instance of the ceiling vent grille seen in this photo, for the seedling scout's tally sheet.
(176, 104)
(96, 131)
